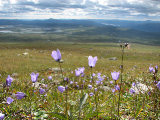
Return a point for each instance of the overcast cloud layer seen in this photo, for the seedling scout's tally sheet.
(80, 9)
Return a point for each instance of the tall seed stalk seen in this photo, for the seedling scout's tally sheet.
(121, 67)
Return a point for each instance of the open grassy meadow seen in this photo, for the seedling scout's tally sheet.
(60, 94)
(38, 57)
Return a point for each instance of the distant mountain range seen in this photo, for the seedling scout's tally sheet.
(147, 32)
(147, 26)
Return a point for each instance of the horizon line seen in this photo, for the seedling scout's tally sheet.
(77, 19)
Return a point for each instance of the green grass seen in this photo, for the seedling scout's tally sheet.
(74, 55)
(137, 59)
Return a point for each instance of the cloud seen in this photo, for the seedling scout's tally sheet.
(86, 9)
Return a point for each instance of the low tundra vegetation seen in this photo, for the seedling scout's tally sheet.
(82, 93)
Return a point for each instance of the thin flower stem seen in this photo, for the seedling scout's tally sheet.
(96, 104)
(61, 70)
(55, 98)
(79, 116)
(135, 105)
(112, 108)
(114, 102)
(92, 76)
(3, 93)
(66, 103)
(119, 101)
(66, 97)
(93, 82)
(31, 101)
(82, 93)
(156, 102)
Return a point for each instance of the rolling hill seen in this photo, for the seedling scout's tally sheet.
(145, 32)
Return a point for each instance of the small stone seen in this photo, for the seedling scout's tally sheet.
(61, 61)
(55, 69)
(25, 53)
(38, 84)
(14, 75)
(105, 88)
(112, 58)
(41, 51)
